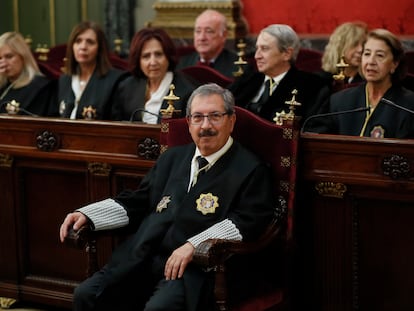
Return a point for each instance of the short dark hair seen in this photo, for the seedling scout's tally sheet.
(102, 61)
(137, 44)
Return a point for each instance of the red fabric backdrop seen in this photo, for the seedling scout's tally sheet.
(322, 16)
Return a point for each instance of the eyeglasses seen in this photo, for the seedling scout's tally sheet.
(213, 117)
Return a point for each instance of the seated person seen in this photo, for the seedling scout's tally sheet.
(179, 204)
(383, 68)
(210, 36)
(152, 61)
(277, 47)
(21, 79)
(346, 41)
(86, 89)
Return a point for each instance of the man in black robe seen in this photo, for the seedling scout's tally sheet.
(179, 204)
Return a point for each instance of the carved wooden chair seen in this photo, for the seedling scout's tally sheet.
(266, 281)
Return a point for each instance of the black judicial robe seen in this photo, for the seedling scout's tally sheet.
(312, 91)
(247, 199)
(98, 94)
(35, 98)
(129, 97)
(390, 121)
(224, 63)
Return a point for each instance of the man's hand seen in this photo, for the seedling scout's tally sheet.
(76, 219)
(178, 261)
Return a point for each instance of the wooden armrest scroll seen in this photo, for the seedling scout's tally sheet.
(78, 239)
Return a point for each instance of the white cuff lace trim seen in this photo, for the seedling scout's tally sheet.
(225, 229)
(106, 214)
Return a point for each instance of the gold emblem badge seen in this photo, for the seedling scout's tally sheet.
(377, 132)
(163, 203)
(89, 113)
(207, 203)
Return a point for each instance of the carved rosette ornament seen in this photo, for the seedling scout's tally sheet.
(149, 149)
(47, 141)
(396, 167)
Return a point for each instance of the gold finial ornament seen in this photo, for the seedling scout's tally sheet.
(43, 52)
(282, 116)
(240, 61)
(340, 76)
(170, 111)
(118, 46)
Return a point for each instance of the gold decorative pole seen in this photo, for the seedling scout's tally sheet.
(170, 111)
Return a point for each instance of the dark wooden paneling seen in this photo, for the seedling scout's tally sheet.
(84, 162)
(357, 247)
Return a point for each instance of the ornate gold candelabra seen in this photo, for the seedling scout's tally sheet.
(282, 116)
(240, 61)
(340, 76)
(170, 111)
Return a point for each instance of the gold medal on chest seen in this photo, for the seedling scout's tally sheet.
(207, 203)
(163, 203)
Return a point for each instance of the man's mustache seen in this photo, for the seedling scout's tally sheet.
(207, 133)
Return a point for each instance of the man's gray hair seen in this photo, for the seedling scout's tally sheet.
(286, 38)
(211, 89)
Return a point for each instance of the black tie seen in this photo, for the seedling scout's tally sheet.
(202, 163)
(257, 107)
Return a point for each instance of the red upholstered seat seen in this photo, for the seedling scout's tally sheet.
(203, 74)
(309, 60)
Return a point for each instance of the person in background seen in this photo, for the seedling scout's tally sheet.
(20, 78)
(186, 198)
(345, 42)
(152, 62)
(266, 91)
(86, 89)
(383, 67)
(210, 36)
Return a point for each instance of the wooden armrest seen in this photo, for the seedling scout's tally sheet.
(80, 238)
(213, 252)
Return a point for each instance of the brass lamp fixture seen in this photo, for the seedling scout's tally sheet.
(240, 61)
(170, 111)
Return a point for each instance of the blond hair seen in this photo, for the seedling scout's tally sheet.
(344, 37)
(18, 45)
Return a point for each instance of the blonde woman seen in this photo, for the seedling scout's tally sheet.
(20, 78)
(346, 41)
